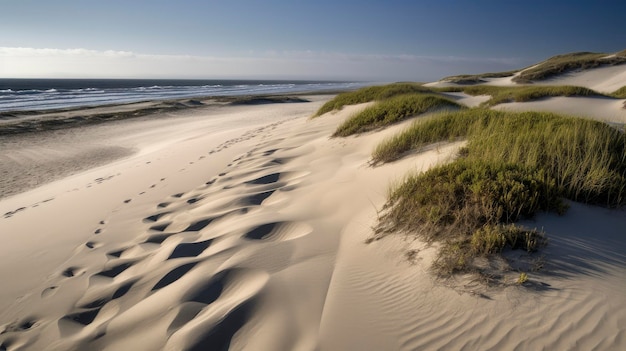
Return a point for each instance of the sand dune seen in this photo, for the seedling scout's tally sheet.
(244, 228)
(599, 108)
(606, 79)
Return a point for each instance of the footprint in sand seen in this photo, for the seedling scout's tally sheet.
(12, 213)
(219, 335)
(47, 292)
(92, 244)
(72, 272)
(193, 249)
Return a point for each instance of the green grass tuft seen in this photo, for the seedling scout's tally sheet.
(391, 111)
(367, 94)
(620, 93)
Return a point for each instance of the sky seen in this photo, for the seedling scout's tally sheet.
(392, 40)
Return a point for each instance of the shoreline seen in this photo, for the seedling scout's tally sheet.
(50, 146)
(33, 121)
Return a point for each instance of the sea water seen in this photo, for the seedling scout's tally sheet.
(46, 94)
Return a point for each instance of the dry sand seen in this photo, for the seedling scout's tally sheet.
(244, 228)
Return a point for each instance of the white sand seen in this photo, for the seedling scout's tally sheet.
(602, 109)
(245, 227)
(602, 79)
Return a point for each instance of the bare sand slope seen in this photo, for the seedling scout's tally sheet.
(599, 108)
(378, 300)
(252, 238)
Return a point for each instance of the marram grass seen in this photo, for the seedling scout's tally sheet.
(501, 95)
(393, 110)
(620, 93)
(367, 94)
(586, 158)
(514, 165)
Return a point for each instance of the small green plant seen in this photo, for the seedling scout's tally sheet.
(523, 278)
(491, 239)
(585, 159)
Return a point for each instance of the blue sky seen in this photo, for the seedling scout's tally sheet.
(367, 40)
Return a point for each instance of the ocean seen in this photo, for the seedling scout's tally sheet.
(46, 94)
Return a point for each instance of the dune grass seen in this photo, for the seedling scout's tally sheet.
(391, 111)
(477, 78)
(586, 158)
(373, 93)
(501, 94)
(514, 165)
(563, 63)
(620, 93)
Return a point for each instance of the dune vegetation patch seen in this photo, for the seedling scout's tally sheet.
(501, 95)
(367, 94)
(477, 78)
(393, 110)
(470, 207)
(514, 165)
(549, 68)
(568, 62)
(620, 93)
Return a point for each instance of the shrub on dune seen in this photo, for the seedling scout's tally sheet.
(620, 93)
(568, 62)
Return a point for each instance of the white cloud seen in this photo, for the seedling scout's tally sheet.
(78, 63)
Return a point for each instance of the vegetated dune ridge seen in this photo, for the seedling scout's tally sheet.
(605, 79)
(252, 237)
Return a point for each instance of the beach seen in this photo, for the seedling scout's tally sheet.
(244, 227)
